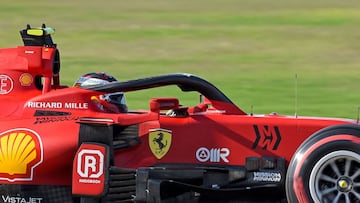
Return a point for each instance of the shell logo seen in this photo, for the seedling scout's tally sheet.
(21, 151)
(26, 79)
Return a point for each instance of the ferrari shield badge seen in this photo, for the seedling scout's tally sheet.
(159, 142)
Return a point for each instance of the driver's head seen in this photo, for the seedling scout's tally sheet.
(102, 78)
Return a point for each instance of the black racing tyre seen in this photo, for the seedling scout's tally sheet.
(326, 167)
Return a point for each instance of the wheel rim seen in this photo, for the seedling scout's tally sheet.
(335, 178)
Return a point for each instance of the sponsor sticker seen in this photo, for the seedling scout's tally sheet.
(13, 199)
(52, 119)
(213, 155)
(26, 79)
(6, 84)
(57, 105)
(21, 151)
(267, 176)
(89, 168)
(160, 142)
(90, 164)
(267, 137)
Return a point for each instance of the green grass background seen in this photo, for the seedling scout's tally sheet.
(250, 49)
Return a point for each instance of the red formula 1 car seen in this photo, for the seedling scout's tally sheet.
(58, 145)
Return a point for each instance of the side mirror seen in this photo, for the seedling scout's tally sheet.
(158, 104)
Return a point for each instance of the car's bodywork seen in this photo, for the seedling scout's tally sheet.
(57, 146)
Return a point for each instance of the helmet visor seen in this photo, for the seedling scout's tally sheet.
(86, 81)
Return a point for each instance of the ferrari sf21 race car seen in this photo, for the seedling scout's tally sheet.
(57, 145)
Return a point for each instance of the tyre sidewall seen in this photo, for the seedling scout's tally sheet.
(317, 146)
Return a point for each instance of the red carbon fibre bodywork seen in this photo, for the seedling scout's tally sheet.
(41, 119)
(240, 134)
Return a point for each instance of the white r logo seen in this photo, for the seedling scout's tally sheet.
(90, 163)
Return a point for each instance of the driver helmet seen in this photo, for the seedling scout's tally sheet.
(102, 78)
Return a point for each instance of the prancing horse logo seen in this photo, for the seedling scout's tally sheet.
(159, 142)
